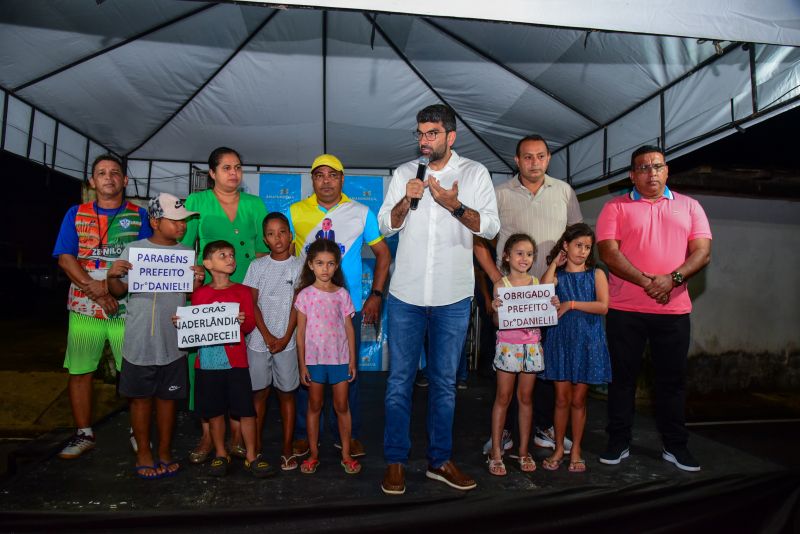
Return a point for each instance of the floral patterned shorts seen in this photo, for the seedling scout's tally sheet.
(513, 358)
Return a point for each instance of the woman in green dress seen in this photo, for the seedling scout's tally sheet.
(224, 212)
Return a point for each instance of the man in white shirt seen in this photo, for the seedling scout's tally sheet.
(431, 289)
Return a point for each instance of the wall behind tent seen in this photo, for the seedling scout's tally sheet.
(746, 312)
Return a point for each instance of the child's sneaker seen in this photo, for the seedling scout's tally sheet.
(505, 440)
(259, 468)
(546, 438)
(77, 445)
(219, 466)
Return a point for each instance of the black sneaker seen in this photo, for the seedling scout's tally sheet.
(682, 458)
(614, 454)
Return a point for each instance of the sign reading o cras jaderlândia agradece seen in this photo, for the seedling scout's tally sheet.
(158, 270)
(208, 324)
(526, 307)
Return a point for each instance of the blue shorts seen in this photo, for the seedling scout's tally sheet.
(329, 374)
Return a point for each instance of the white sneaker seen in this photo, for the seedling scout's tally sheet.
(505, 440)
(547, 439)
(77, 445)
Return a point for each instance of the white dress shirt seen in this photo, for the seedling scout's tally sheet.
(433, 265)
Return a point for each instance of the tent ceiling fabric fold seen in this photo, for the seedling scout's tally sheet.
(759, 21)
(168, 80)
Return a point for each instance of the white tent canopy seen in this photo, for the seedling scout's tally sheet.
(163, 82)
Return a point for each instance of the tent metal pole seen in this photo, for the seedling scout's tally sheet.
(569, 171)
(5, 121)
(325, 82)
(753, 80)
(30, 134)
(424, 80)
(112, 47)
(149, 174)
(485, 55)
(86, 160)
(662, 121)
(205, 83)
(55, 146)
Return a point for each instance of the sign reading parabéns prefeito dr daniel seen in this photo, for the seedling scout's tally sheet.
(160, 270)
(526, 307)
(208, 324)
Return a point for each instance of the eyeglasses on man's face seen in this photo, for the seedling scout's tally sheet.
(647, 169)
(430, 135)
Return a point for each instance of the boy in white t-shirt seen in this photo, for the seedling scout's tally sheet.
(271, 349)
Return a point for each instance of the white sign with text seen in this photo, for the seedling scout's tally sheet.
(526, 307)
(208, 324)
(158, 270)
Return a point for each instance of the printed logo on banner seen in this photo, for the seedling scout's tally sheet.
(279, 191)
(365, 189)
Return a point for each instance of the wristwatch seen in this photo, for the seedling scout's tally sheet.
(677, 278)
(378, 293)
(459, 211)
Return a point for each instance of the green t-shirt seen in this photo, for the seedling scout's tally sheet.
(245, 233)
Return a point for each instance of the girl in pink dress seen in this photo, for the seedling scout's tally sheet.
(326, 349)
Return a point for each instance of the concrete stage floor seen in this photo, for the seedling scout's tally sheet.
(743, 491)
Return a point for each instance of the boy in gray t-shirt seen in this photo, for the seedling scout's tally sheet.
(271, 349)
(153, 367)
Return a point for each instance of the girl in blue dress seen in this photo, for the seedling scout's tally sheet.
(575, 350)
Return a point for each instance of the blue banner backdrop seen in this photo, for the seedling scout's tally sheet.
(279, 191)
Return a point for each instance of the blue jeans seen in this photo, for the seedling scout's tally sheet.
(328, 414)
(446, 327)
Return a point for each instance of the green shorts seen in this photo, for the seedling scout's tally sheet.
(86, 339)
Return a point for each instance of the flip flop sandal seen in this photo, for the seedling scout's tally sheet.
(526, 464)
(289, 463)
(167, 471)
(352, 467)
(219, 466)
(309, 466)
(140, 472)
(496, 467)
(551, 464)
(578, 466)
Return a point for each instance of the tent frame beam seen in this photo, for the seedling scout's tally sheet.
(205, 83)
(658, 93)
(488, 57)
(430, 87)
(112, 47)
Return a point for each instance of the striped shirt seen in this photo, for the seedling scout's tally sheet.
(543, 216)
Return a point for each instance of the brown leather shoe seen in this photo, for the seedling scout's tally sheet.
(452, 476)
(394, 480)
(300, 447)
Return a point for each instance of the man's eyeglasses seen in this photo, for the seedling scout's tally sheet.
(430, 135)
(645, 169)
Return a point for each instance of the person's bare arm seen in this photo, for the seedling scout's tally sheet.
(480, 247)
(116, 287)
(97, 290)
(371, 310)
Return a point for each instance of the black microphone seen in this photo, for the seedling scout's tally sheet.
(421, 168)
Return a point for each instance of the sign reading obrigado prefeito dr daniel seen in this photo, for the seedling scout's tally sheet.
(208, 324)
(526, 307)
(160, 271)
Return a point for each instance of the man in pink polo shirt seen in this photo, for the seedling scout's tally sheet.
(652, 240)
